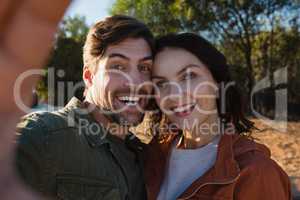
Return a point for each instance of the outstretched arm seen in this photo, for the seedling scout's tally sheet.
(26, 36)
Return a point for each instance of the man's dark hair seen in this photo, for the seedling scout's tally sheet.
(110, 31)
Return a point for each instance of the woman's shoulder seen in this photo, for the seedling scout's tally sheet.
(260, 175)
(254, 157)
(244, 145)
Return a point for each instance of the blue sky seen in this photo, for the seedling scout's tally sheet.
(93, 10)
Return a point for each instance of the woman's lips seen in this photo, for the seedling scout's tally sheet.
(184, 110)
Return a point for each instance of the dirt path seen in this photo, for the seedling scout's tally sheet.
(285, 148)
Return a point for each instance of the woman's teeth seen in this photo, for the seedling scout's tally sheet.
(129, 100)
(184, 108)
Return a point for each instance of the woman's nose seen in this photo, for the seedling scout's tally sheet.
(174, 89)
(173, 93)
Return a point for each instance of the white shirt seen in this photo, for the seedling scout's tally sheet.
(186, 166)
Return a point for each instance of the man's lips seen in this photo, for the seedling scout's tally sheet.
(184, 110)
(130, 103)
(129, 100)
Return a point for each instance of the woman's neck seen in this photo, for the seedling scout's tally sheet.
(199, 137)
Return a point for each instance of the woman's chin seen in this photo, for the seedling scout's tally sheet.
(189, 123)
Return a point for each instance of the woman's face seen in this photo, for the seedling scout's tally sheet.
(185, 89)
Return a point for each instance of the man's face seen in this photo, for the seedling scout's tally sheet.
(121, 81)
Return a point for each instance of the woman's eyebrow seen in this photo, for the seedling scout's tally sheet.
(158, 77)
(186, 68)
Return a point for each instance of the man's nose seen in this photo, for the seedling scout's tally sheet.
(136, 79)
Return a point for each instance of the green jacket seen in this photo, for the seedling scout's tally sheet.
(66, 154)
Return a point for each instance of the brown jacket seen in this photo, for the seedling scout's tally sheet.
(243, 170)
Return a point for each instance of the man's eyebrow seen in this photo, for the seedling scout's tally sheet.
(186, 68)
(113, 55)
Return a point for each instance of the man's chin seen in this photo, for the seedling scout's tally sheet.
(132, 119)
(128, 119)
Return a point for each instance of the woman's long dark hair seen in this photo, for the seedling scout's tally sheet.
(215, 61)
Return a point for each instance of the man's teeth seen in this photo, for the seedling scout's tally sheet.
(131, 103)
(183, 108)
(129, 100)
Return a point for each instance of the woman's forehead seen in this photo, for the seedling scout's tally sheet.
(170, 61)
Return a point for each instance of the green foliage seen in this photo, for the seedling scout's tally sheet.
(74, 28)
(66, 55)
(42, 89)
(68, 49)
(160, 16)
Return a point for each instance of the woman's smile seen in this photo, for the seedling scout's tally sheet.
(184, 110)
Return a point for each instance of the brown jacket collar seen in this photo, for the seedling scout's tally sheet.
(225, 170)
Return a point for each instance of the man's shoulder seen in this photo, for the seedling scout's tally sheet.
(46, 120)
(43, 124)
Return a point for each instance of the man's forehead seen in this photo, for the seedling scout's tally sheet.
(130, 47)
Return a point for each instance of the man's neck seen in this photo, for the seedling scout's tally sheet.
(106, 121)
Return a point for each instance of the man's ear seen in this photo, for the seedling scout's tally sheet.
(87, 76)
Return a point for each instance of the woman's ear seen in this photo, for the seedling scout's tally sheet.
(87, 76)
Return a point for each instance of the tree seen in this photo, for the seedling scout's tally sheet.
(243, 30)
(67, 51)
(158, 15)
(66, 57)
(73, 27)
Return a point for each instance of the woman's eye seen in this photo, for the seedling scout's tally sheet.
(161, 84)
(189, 76)
(145, 68)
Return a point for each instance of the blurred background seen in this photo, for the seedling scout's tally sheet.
(260, 39)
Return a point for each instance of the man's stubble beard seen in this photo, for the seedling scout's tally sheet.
(122, 120)
(117, 116)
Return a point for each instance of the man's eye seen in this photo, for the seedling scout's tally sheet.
(117, 66)
(145, 67)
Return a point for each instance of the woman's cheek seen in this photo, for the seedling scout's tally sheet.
(157, 100)
(206, 105)
(206, 100)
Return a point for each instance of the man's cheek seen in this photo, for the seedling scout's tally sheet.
(118, 77)
(102, 83)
